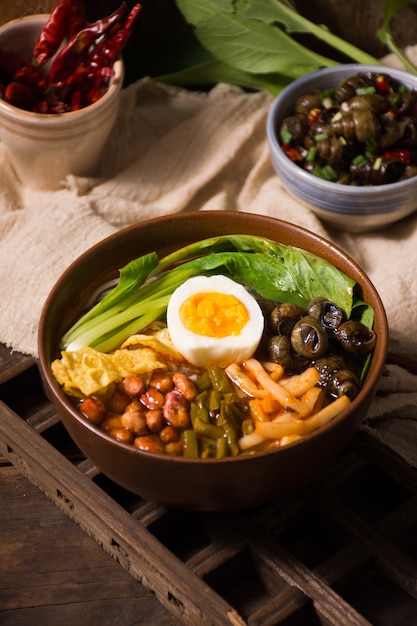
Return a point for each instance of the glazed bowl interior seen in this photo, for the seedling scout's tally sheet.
(353, 208)
(211, 484)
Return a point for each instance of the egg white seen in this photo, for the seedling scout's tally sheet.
(202, 350)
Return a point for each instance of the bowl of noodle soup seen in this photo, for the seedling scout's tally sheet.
(210, 484)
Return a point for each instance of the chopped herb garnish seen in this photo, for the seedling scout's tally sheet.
(360, 160)
(285, 135)
(311, 154)
(329, 173)
(377, 165)
(365, 91)
(327, 103)
(372, 145)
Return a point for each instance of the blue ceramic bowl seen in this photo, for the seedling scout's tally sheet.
(343, 206)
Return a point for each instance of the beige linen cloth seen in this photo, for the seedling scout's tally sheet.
(171, 151)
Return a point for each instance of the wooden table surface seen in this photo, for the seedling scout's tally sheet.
(53, 573)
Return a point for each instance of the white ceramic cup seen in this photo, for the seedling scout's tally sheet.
(45, 148)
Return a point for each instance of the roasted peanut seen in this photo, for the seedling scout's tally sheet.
(122, 435)
(175, 410)
(93, 409)
(185, 386)
(111, 420)
(174, 448)
(135, 406)
(117, 402)
(133, 386)
(150, 443)
(154, 420)
(162, 382)
(134, 421)
(169, 434)
(152, 398)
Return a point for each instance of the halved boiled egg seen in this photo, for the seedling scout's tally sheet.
(212, 320)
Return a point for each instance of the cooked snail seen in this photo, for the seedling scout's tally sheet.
(309, 338)
(356, 338)
(328, 313)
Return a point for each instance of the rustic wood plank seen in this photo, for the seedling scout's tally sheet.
(51, 572)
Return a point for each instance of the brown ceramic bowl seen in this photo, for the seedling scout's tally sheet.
(210, 485)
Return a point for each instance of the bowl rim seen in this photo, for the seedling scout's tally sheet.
(52, 386)
(13, 112)
(343, 70)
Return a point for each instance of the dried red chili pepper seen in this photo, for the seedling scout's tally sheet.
(120, 39)
(33, 78)
(98, 83)
(53, 33)
(77, 18)
(76, 100)
(105, 54)
(66, 19)
(20, 96)
(41, 106)
(75, 51)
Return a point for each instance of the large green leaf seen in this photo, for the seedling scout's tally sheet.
(254, 46)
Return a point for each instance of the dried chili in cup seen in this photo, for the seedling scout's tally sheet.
(81, 56)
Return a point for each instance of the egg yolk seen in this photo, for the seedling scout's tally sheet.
(214, 314)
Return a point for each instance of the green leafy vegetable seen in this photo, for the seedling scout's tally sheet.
(253, 42)
(273, 270)
(257, 44)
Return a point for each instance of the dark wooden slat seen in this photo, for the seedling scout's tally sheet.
(12, 363)
(44, 418)
(396, 565)
(214, 555)
(88, 468)
(275, 564)
(51, 572)
(149, 512)
(285, 604)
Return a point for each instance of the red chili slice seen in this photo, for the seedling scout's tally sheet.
(402, 154)
(382, 84)
(292, 153)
